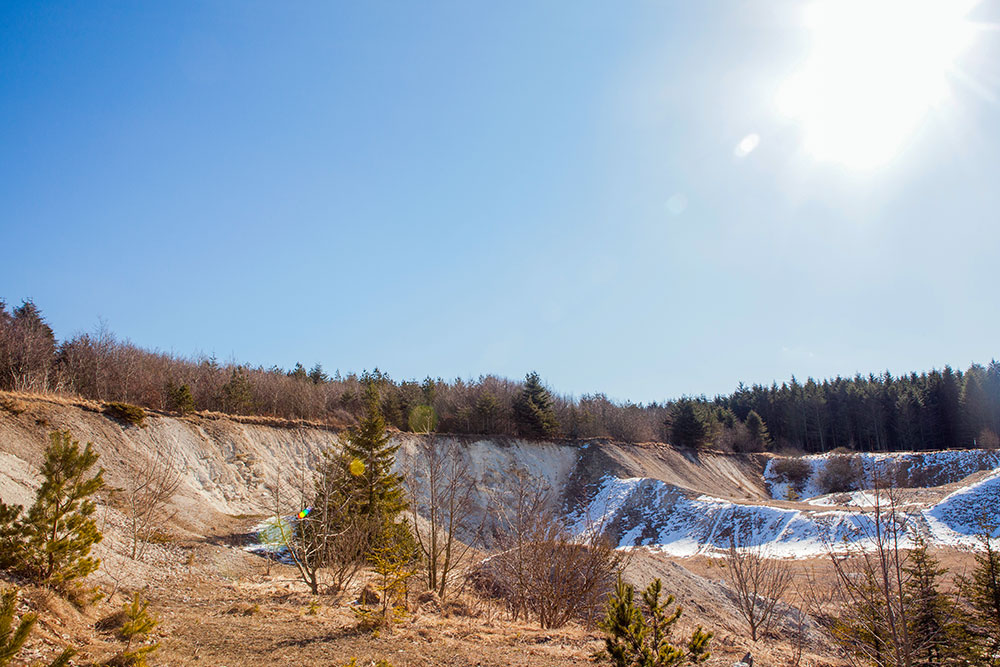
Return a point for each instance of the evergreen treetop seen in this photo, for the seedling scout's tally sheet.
(533, 409)
(382, 493)
(687, 426)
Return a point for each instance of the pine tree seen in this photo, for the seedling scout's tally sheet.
(937, 639)
(12, 640)
(533, 411)
(687, 427)
(180, 398)
(139, 623)
(634, 639)
(52, 542)
(759, 437)
(381, 494)
(982, 590)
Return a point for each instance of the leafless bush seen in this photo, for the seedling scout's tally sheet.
(324, 537)
(757, 583)
(735, 438)
(539, 569)
(792, 471)
(840, 473)
(148, 492)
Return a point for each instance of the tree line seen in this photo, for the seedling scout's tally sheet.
(930, 410)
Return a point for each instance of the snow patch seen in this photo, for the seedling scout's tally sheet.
(644, 512)
(920, 469)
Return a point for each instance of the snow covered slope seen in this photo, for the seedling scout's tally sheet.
(644, 512)
(908, 469)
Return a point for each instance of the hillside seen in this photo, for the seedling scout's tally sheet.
(676, 501)
(673, 503)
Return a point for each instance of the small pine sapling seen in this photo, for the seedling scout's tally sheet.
(138, 625)
(13, 639)
(635, 639)
(393, 572)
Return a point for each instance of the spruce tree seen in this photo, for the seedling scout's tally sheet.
(237, 394)
(759, 437)
(982, 590)
(317, 375)
(533, 411)
(180, 398)
(381, 494)
(687, 428)
(937, 639)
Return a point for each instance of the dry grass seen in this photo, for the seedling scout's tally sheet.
(54, 399)
(224, 610)
(17, 402)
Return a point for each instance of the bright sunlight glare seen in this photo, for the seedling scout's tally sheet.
(876, 69)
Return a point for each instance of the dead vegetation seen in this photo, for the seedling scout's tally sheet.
(758, 584)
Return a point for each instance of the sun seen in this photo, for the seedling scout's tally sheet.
(876, 70)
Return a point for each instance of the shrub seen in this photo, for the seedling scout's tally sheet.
(392, 573)
(126, 412)
(839, 474)
(13, 405)
(180, 398)
(551, 578)
(12, 640)
(637, 639)
(51, 543)
(792, 471)
(138, 624)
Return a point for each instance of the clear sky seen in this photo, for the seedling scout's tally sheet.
(643, 198)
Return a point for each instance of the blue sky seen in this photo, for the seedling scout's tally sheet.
(462, 188)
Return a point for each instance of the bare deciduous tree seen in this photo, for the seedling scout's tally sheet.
(147, 498)
(757, 582)
(441, 486)
(871, 582)
(325, 534)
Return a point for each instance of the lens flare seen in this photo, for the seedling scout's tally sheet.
(876, 69)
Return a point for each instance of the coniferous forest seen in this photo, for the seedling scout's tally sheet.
(926, 410)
